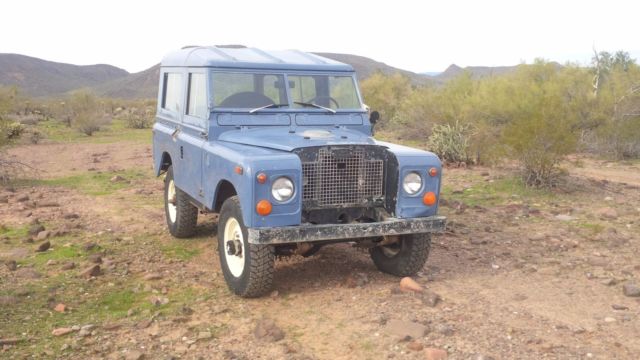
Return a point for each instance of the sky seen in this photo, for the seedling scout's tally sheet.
(419, 36)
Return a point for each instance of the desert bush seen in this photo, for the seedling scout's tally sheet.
(87, 112)
(451, 142)
(385, 94)
(138, 118)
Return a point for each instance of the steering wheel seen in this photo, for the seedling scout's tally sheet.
(315, 99)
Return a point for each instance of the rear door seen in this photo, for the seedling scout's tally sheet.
(193, 132)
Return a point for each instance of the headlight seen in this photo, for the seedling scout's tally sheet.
(412, 183)
(282, 189)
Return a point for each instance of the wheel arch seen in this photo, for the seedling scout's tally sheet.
(224, 190)
(165, 162)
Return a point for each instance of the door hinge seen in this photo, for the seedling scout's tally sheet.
(181, 152)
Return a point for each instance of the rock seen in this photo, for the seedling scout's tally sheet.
(153, 276)
(144, 324)
(91, 271)
(51, 262)
(607, 213)
(537, 237)
(4, 199)
(430, 298)
(68, 266)
(481, 357)
(11, 265)
(35, 229)
(95, 259)
(43, 235)
(9, 341)
(631, 290)
(61, 331)
(477, 241)
(27, 273)
(619, 307)
(134, 355)
(414, 345)
(86, 330)
(48, 204)
(22, 198)
(357, 280)
(118, 178)
(159, 300)
(89, 246)
(609, 319)
(267, 330)
(608, 282)
(407, 284)
(71, 216)
(204, 335)
(43, 246)
(435, 354)
(403, 329)
(8, 300)
(60, 308)
(564, 217)
(444, 329)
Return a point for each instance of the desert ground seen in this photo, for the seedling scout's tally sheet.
(89, 271)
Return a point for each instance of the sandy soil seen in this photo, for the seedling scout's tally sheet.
(518, 276)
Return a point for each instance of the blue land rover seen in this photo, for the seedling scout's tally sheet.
(280, 144)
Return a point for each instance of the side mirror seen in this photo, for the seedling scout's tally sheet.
(373, 119)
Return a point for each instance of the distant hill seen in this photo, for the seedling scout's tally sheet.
(366, 67)
(37, 77)
(476, 71)
(143, 84)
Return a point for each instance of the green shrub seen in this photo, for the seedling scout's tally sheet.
(138, 118)
(451, 142)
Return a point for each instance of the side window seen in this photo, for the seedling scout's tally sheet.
(172, 91)
(197, 103)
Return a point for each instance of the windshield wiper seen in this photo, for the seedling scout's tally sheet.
(315, 106)
(267, 107)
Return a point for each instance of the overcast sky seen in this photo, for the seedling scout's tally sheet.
(413, 35)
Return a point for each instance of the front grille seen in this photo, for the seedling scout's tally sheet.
(342, 178)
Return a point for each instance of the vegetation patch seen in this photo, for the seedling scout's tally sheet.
(91, 183)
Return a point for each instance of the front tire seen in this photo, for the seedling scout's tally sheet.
(181, 214)
(405, 257)
(247, 268)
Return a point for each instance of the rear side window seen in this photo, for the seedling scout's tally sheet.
(197, 104)
(172, 91)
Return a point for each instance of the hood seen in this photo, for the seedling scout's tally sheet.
(280, 138)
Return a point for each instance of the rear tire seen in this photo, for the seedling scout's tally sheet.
(404, 258)
(247, 268)
(181, 214)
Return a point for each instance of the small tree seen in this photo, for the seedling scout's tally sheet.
(87, 112)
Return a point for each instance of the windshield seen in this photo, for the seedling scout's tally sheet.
(334, 92)
(242, 90)
(258, 92)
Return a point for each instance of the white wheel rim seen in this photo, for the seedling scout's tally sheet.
(232, 238)
(171, 201)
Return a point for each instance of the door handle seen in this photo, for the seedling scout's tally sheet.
(175, 133)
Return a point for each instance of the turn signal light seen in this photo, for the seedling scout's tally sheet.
(433, 172)
(429, 198)
(262, 178)
(263, 207)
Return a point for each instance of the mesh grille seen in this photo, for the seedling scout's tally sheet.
(349, 180)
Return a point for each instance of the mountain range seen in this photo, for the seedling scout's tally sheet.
(41, 78)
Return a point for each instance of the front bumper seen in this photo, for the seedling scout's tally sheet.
(346, 232)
